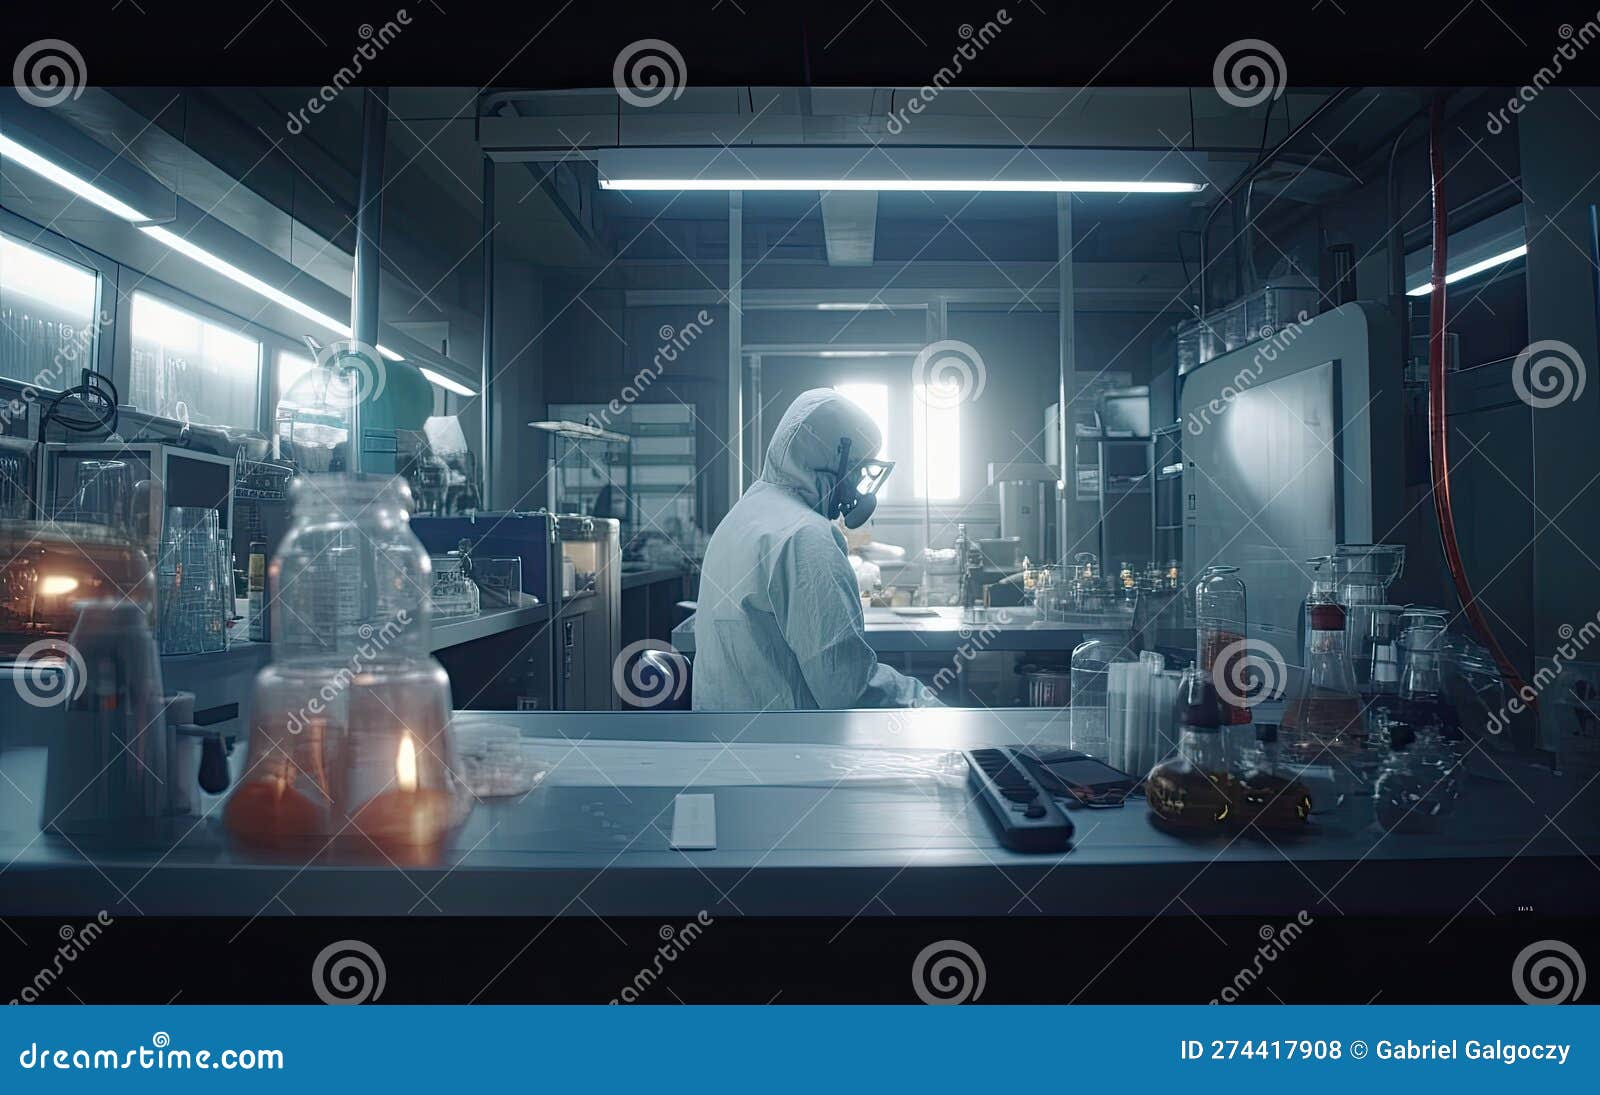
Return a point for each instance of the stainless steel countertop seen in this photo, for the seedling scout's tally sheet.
(594, 839)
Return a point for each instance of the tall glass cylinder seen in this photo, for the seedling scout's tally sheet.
(1222, 631)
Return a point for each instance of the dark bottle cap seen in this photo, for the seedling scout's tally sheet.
(1197, 707)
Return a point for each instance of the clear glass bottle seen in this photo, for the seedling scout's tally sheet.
(350, 741)
(1092, 659)
(1424, 698)
(1192, 790)
(1419, 781)
(1380, 688)
(1268, 796)
(1221, 631)
(1325, 709)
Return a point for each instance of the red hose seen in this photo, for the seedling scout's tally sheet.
(1438, 435)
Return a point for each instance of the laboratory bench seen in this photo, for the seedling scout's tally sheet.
(841, 814)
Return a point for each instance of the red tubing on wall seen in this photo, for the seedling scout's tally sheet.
(1438, 428)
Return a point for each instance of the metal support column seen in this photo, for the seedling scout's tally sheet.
(486, 383)
(369, 232)
(735, 438)
(1069, 373)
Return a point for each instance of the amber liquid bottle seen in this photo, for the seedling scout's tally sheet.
(1326, 710)
(1193, 790)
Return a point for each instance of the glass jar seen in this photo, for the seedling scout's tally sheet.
(1192, 790)
(1091, 670)
(49, 568)
(350, 742)
(349, 568)
(1221, 631)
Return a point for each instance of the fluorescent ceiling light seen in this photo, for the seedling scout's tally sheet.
(861, 353)
(996, 186)
(449, 384)
(1467, 271)
(84, 189)
(851, 306)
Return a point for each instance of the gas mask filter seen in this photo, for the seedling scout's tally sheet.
(855, 488)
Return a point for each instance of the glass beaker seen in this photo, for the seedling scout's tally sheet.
(1324, 711)
(1419, 781)
(1222, 631)
(1267, 795)
(1361, 576)
(1092, 659)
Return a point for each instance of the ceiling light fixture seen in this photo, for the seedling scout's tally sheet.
(1467, 271)
(449, 384)
(981, 186)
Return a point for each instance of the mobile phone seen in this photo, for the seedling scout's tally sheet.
(1067, 772)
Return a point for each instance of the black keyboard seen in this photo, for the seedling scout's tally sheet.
(1026, 818)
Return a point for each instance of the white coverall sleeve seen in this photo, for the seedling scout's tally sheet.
(816, 601)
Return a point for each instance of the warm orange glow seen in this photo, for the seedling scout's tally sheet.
(405, 764)
(57, 585)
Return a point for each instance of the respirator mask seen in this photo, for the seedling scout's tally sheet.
(855, 489)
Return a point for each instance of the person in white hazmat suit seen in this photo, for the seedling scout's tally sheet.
(778, 624)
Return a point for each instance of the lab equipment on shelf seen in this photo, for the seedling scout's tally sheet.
(455, 594)
(194, 582)
(350, 740)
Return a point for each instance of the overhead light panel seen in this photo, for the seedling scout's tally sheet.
(449, 384)
(976, 186)
(1468, 271)
(83, 188)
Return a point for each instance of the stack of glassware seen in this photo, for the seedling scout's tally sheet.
(194, 582)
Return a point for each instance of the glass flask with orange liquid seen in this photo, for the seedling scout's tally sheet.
(1222, 632)
(1325, 711)
(1193, 790)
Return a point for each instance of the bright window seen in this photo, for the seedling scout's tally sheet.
(936, 413)
(47, 316)
(291, 367)
(874, 399)
(188, 367)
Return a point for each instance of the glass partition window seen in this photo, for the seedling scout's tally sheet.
(874, 399)
(188, 368)
(936, 411)
(47, 316)
(291, 367)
